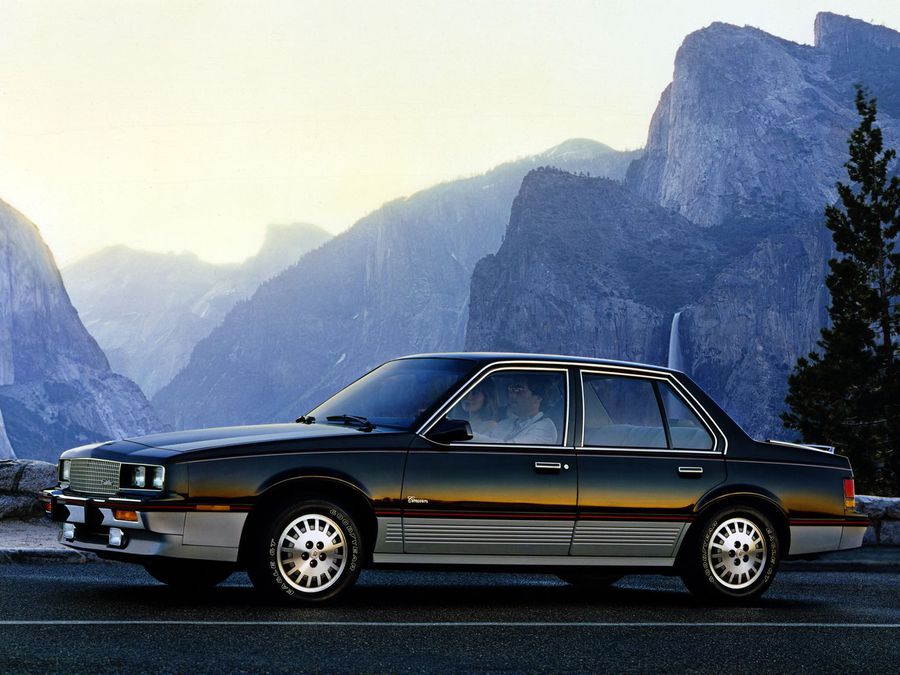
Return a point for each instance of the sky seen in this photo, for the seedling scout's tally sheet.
(183, 125)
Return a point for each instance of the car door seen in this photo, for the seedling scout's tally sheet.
(504, 492)
(646, 454)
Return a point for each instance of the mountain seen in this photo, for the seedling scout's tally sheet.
(745, 145)
(396, 282)
(56, 386)
(159, 306)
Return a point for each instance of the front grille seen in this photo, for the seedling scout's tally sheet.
(94, 476)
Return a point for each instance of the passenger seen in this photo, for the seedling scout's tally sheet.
(482, 407)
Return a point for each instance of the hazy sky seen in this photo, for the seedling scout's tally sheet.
(182, 125)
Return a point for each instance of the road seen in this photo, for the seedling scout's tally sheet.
(105, 617)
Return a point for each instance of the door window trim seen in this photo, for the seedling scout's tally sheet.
(486, 372)
(678, 389)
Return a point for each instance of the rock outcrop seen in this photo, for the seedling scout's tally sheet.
(148, 310)
(19, 482)
(884, 512)
(56, 386)
(397, 282)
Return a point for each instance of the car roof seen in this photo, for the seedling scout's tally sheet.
(490, 357)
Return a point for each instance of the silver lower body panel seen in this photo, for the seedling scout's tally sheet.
(852, 537)
(520, 560)
(815, 538)
(497, 541)
(189, 535)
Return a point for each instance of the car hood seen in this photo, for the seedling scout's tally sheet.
(220, 437)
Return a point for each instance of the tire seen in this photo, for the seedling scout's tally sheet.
(188, 575)
(591, 580)
(733, 557)
(310, 552)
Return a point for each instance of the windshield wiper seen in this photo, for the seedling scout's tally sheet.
(305, 419)
(352, 420)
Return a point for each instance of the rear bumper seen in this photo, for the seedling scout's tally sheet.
(169, 532)
(823, 536)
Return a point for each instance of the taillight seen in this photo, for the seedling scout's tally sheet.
(849, 495)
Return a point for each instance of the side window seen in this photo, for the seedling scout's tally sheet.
(518, 407)
(621, 412)
(686, 430)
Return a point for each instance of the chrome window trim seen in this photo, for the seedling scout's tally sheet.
(476, 379)
(590, 449)
(679, 389)
(799, 445)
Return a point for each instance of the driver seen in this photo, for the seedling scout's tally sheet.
(525, 422)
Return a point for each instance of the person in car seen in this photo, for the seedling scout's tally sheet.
(525, 422)
(481, 407)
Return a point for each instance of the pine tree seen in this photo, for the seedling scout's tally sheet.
(847, 393)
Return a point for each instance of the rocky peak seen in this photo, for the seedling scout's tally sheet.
(836, 34)
(753, 120)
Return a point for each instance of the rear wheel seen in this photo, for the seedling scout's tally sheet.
(310, 552)
(188, 575)
(733, 557)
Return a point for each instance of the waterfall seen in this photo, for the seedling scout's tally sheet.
(6, 451)
(675, 360)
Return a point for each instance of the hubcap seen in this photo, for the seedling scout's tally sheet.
(312, 553)
(737, 553)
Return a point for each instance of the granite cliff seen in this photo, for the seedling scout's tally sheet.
(56, 387)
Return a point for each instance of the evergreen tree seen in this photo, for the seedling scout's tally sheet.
(848, 393)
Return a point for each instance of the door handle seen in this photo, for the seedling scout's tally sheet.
(548, 466)
(690, 471)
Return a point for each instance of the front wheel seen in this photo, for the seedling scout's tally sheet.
(734, 556)
(310, 552)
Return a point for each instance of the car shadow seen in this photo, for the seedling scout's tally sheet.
(455, 597)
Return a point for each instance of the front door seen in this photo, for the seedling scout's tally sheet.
(509, 491)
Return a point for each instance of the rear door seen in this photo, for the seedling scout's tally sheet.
(646, 454)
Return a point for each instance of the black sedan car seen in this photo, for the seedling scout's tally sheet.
(585, 468)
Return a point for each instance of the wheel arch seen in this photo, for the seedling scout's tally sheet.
(299, 488)
(745, 495)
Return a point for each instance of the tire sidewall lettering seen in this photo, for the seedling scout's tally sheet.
(771, 540)
(348, 531)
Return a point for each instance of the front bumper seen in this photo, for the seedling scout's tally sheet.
(162, 530)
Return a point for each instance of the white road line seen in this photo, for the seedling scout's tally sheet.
(459, 624)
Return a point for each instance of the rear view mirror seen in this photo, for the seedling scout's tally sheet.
(448, 431)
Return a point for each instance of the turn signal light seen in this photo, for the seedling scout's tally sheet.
(849, 494)
(130, 516)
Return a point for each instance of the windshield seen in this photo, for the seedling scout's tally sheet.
(397, 393)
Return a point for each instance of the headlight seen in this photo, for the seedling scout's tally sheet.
(146, 477)
(65, 468)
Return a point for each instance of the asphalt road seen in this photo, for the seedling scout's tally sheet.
(114, 618)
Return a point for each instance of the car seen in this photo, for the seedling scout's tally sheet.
(585, 468)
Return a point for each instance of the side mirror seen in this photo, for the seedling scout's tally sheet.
(448, 431)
